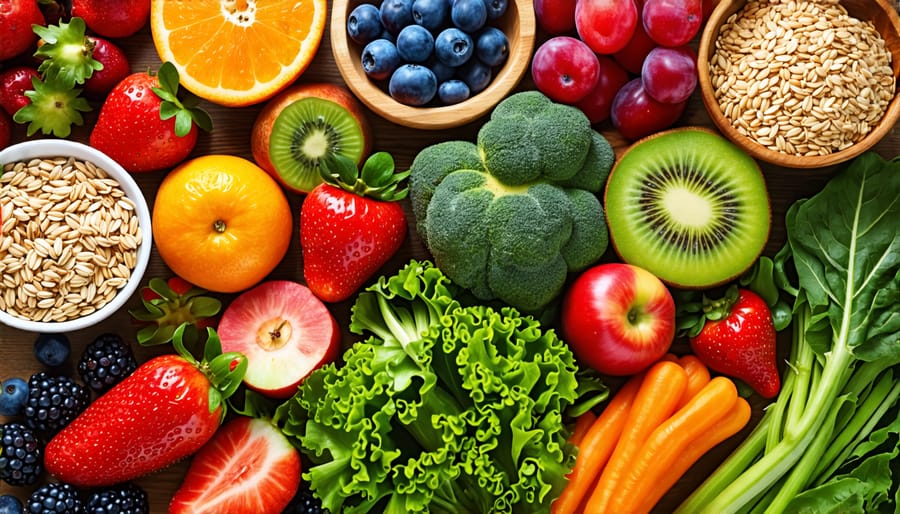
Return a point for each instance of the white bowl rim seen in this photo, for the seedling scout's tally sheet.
(48, 148)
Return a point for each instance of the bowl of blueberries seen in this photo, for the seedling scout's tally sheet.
(432, 64)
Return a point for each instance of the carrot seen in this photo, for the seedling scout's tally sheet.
(582, 424)
(698, 376)
(736, 419)
(596, 446)
(657, 398)
(669, 440)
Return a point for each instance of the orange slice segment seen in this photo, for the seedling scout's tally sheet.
(237, 52)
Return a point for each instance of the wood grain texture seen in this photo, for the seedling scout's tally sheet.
(231, 135)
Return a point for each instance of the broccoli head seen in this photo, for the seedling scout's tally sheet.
(509, 217)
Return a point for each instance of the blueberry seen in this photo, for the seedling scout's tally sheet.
(476, 74)
(415, 43)
(492, 46)
(9, 504)
(431, 14)
(396, 14)
(453, 47)
(413, 84)
(379, 59)
(441, 71)
(453, 91)
(52, 349)
(13, 396)
(469, 15)
(496, 8)
(364, 24)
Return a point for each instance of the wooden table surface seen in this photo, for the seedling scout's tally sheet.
(231, 135)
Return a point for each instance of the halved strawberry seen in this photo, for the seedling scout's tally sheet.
(166, 304)
(248, 466)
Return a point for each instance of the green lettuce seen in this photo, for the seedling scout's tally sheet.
(444, 408)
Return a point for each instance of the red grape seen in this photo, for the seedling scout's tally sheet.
(606, 25)
(636, 114)
(565, 69)
(672, 22)
(632, 56)
(597, 103)
(670, 74)
(555, 16)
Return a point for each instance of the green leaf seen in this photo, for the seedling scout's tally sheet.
(53, 108)
(67, 54)
(168, 78)
(378, 169)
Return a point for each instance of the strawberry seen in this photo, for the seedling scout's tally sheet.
(115, 67)
(167, 304)
(14, 82)
(248, 466)
(113, 18)
(351, 224)
(737, 338)
(16, 19)
(144, 125)
(167, 409)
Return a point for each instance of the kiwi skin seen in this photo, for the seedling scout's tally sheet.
(719, 168)
(261, 131)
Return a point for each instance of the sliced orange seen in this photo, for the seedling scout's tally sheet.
(237, 52)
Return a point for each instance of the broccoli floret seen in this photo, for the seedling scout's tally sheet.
(595, 170)
(529, 137)
(434, 163)
(515, 239)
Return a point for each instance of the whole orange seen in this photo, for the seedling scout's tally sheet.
(221, 222)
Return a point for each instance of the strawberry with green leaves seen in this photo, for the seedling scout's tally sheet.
(167, 304)
(167, 409)
(71, 63)
(351, 224)
(145, 126)
(735, 335)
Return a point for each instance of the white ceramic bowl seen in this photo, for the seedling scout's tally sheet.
(50, 148)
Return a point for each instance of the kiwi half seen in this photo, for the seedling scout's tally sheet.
(307, 132)
(688, 206)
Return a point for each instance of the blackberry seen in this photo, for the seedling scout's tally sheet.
(20, 454)
(53, 402)
(304, 502)
(124, 498)
(105, 362)
(54, 498)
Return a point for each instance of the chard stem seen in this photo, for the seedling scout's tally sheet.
(883, 396)
(772, 466)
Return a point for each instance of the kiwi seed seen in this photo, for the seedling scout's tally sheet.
(688, 206)
(308, 131)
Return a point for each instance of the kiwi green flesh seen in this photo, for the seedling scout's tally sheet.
(688, 206)
(305, 133)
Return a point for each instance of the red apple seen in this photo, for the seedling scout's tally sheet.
(285, 332)
(618, 318)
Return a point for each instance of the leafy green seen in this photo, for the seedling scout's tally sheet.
(841, 265)
(444, 408)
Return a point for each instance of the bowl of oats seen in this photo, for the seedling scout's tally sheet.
(801, 83)
(75, 236)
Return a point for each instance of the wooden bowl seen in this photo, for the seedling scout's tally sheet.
(518, 23)
(884, 17)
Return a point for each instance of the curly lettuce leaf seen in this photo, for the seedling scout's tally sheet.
(465, 418)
